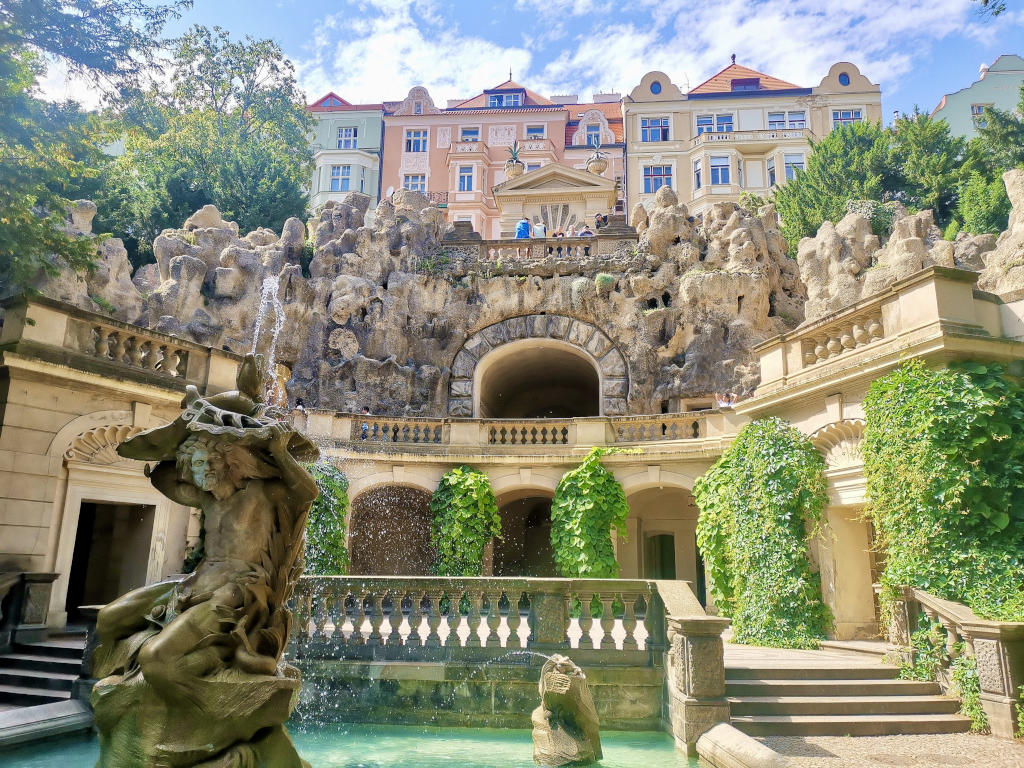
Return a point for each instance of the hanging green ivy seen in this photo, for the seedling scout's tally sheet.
(326, 552)
(944, 465)
(588, 504)
(465, 518)
(756, 504)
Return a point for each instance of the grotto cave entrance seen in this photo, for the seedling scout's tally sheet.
(390, 533)
(537, 379)
(525, 546)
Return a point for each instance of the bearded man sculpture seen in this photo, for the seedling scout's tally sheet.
(191, 671)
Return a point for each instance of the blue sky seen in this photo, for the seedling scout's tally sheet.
(371, 50)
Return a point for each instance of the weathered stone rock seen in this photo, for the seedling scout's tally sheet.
(1004, 265)
(565, 726)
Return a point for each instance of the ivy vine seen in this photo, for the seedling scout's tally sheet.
(326, 551)
(944, 465)
(589, 502)
(757, 503)
(465, 518)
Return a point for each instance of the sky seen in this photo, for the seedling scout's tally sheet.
(369, 51)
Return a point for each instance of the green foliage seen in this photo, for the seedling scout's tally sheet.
(604, 282)
(927, 652)
(326, 551)
(750, 202)
(588, 504)
(230, 128)
(944, 464)
(966, 685)
(756, 504)
(434, 263)
(48, 152)
(983, 206)
(881, 215)
(951, 231)
(103, 304)
(1020, 714)
(1001, 136)
(465, 518)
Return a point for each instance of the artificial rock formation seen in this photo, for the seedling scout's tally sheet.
(1004, 265)
(191, 671)
(565, 726)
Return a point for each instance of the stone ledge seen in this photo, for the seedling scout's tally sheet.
(24, 724)
(726, 747)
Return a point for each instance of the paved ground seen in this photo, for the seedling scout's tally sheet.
(956, 749)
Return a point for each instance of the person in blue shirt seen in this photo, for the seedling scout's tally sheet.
(523, 228)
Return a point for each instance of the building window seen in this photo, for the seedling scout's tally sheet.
(653, 129)
(794, 163)
(416, 140)
(705, 124)
(845, 117)
(417, 108)
(656, 177)
(798, 119)
(697, 182)
(978, 114)
(535, 131)
(593, 135)
(347, 138)
(719, 169)
(469, 134)
(341, 177)
(776, 121)
(465, 178)
(746, 84)
(655, 87)
(505, 100)
(532, 167)
(844, 79)
(723, 123)
(771, 171)
(416, 182)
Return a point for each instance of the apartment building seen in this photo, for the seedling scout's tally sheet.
(997, 86)
(347, 143)
(740, 130)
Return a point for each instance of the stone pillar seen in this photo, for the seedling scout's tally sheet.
(999, 649)
(549, 619)
(696, 678)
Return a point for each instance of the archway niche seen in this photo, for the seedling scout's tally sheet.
(390, 532)
(537, 379)
(525, 546)
(662, 544)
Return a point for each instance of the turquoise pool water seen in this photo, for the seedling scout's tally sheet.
(396, 746)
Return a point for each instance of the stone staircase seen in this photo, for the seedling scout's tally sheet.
(42, 672)
(832, 693)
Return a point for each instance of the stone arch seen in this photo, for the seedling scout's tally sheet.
(840, 442)
(593, 117)
(65, 437)
(585, 337)
(99, 446)
(389, 531)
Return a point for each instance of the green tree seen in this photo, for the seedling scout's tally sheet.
(47, 151)
(1001, 136)
(929, 160)
(326, 551)
(465, 518)
(983, 206)
(230, 129)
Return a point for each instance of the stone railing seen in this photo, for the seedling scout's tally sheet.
(835, 339)
(54, 332)
(426, 434)
(511, 250)
(26, 599)
(432, 618)
(740, 137)
(998, 647)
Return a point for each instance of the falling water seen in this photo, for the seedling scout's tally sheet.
(271, 309)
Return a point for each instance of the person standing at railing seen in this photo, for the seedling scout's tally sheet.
(540, 232)
(522, 233)
(364, 431)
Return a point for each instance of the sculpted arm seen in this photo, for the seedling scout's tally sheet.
(303, 488)
(165, 479)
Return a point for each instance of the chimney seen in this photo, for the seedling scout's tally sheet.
(607, 98)
(570, 98)
(982, 71)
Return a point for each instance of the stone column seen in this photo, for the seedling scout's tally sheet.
(999, 649)
(696, 678)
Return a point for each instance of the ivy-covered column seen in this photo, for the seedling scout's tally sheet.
(465, 519)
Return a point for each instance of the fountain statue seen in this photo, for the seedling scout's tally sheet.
(565, 724)
(191, 671)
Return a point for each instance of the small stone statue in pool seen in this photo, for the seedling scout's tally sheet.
(565, 728)
(191, 671)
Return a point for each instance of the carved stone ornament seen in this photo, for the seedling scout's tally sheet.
(840, 442)
(565, 726)
(99, 445)
(190, 670)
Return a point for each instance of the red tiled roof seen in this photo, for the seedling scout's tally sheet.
(612, 112)
(480, 100)
(722, 82)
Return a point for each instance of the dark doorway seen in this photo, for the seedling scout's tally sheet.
(531, 379)
(111, 554)
(525, 546)
(391, 532)
(701, 584)
(660, 556)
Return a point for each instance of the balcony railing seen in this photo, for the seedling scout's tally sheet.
(466, 618)
(748, 137)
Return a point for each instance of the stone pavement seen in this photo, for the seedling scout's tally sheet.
(954, 749)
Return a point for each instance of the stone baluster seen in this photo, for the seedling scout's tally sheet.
(586, 623)
(336, 601)
(473, 618)
(952, 637)
(607, 621)
(120, 351)
(301, 613)
(376, 616)
(629, 622)
(415, 618)
(358, 617)
(136, 354)
(514, 620)
(102, 343)
(493, 620)
(434, 618)
(320, 617)
(154, 357)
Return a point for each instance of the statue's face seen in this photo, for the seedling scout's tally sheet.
(208, 468)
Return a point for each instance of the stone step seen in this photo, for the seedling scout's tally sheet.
(860, 649)
(66, 649)
(42, 663)
(830, 688)
(843, 705)
(772, 672)
(849, 725)
(17, 694)
(34, 678)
